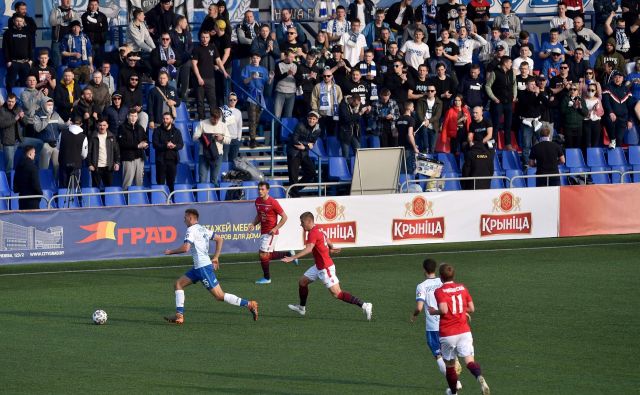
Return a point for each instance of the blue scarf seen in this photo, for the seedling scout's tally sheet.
(324, 98)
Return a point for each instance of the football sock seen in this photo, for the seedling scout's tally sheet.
(452, 378)
(348, 298)
(441, 366)
(303, 292)
(180, 301)
(264, 262)
(278, 255)
(474, 368)
(234, 300)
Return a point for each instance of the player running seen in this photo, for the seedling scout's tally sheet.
(197, 240)
(267, 211)
(324, 269)
(454, 306)
(425, 295)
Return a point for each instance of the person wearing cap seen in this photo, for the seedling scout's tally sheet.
(59, 20)
(17, 45)
(77, 53)
(619, 108)
(138, 35)
(551, 66)
(161, 19)
(96, 27)
(132, 97)
(610, 55)
(116, 113)
(490, 50)
(552, 46)
(256, 79)
(301, 142)
(508, 19)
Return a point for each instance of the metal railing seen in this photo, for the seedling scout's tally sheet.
(214, 189)
(438, 180)
(17, 197)
(82, 195)
(320, 185)
(629, 173)
(560, 175)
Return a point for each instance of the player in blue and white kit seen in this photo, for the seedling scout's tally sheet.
(425, 295)
(196, 240)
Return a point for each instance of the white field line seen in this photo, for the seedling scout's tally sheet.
(335, 258)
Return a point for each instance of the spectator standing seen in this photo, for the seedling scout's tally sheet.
(183, 43)
(74, 147)
(324, 11)
(233, 119)
(574, 8)
(620, 33)
(285, 86)
(574, 110)
(361, 10)
(386, 113)
(133, 141)
(406, 137)
(302, 141)
(325, 100)
(561, 22)
(221, 39)
(399, 15)
(47, 125)
(468, 42)
(247, 31)
(603, 8)
(104, 155)
(472, 88)
(116, 113)
(205, 57)
(101, 94)
(267, 47)
(545, 157)
(618, 105)
(581, 37)
(77, 53)
(27, 180)
(161, 19)
(427, 14)
(31, 98)
(87, 110)
(45, 74)
(17, 46)
(166, 58)
(455, 126)
(610, 55)
(430, 126)
(256, 79)
(372, 31)
(501, 88)
(60, 19)
(66, 93)
(506, 19)
(340, 67)
(96, 27)
(338, 26)
(11, 123)
(479, 14)
(162, 98)
(167, 142)
(20, 10)
(353, 43)
(282, 28)
(138, 35)
(107, 78)
(591, 126)
(217, 134)
(351, 112)
(309, 72)
(531, 103)
(132, 98)
(415, 52)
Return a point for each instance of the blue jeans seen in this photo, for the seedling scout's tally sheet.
(205, 169)
(9, 154)
(410, 160)
(355, 143)
(528, 134)
(497, 111)
(231, 150)
(426, 140)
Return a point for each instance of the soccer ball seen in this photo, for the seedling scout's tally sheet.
(99, 317)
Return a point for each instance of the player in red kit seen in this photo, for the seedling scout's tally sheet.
(454, 306)
(267, 211)
(323, 269)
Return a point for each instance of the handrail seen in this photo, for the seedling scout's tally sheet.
(18, 197)
(580, 173)
(316, 184)
(628, 173)
(416, 181)
(127, 192)
(175, 192)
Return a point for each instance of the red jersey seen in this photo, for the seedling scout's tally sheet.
(457, 299)
(320, 248)
(268, 210)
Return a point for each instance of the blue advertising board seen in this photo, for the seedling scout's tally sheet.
(118, 233)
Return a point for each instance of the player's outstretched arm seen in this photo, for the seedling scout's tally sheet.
(216, 256)
(417, 311)
(307, 250)
(332, 249)
(180, 250)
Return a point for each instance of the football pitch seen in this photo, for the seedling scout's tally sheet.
(554, 316)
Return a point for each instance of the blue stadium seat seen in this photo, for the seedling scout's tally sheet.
(47, 180)
(250, 193)
(183, 127)
(631, 136)
(275, 191)
(91, 200)
(182, 114)
(497, 183)
(159, 197)
(114, 199)
(449, 161)
(223, 192)
(185, 156)
(518, 182)
(451, 185)
(17, 90)
(183, 197)
(373, 141)
(85, 178)
(497, 166)
(14, 203)
(595, 157)
(531, 182)
(206, 196)
(5, 188)
(67, 201)
(183, 175)
(618, 162)
(339, 169)
(319, 152)
(600, 178)
(2, 167)
(139, 197)
(287, 129)
(511, 160)
(333, 146)
(535, 41)
(48, 193)
(575, 160)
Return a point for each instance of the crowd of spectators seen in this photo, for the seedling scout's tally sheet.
(411, 75)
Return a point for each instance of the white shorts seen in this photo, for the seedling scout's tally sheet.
(327, 276)
(460, 345)
(268, 242)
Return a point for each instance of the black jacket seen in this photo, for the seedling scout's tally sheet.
(129, 136)
(116, 117)
(392, 14)
(10, 129)
(352, 12)
(61, 99)
(303, 134)
(17, 44)
(349, 122)
(160, 20)
(131, 98)
(96, 31)
(113, 151)
(162, 136)
(27, 178)
(531, 105)
(155, 102)
(82, 107)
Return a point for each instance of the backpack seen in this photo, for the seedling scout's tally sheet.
(235, 194)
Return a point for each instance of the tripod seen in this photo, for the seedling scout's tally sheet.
(73, 187)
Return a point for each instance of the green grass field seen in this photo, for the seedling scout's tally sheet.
(553, 317)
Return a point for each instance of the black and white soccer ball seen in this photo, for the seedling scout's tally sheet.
(99, 317)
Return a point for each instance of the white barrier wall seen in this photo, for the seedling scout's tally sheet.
(359, 221)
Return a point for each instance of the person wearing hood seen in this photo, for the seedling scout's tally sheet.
(47, 125)
(11, 123)
(77, 52)
(74, 147)
(167, 141)
(31, 97)
(133, 141)
(116, 113)
(100, 90)
(88, 110)
(132, 98)
(163, 98)
(66, 93)
(104, 155)
(610, 55)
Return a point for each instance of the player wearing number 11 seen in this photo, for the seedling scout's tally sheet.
(454, 306)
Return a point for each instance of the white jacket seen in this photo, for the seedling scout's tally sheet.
(207, 127)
